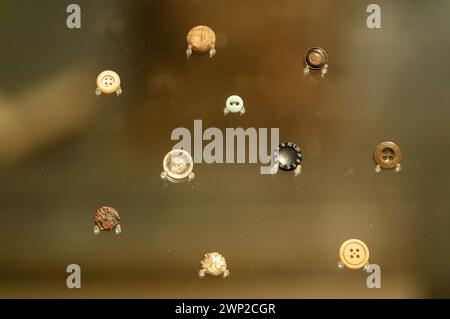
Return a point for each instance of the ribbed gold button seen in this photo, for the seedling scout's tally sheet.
(316, 59)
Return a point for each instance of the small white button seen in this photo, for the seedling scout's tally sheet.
(234, 104)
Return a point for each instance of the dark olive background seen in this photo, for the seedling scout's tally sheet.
(64, 152)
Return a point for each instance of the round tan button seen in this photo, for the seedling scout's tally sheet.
(108, 82)
(354, 254)
(387, 155)
(201, 38)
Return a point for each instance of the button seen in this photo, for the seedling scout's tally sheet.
(201, 38)
(354, 254)
(178, 166)
(234, 104)
(316, 59)
(387, 155)
(214, 264)
(287, 157)
(108, 82)
(107, 218)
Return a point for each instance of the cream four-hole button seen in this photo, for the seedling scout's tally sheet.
(354, 254)
(108, 82)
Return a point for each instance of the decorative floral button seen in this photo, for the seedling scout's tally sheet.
(316, 59)
(387, 155)
(287, 157)
(234, 104)
(106, 219)
(354, 254)
(201, 39)
(178, 166)
(108, 82)
(214, 264)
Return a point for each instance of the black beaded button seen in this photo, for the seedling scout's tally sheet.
(289, 156)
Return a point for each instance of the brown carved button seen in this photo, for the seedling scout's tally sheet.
(354, 254)
(201, 39)
(316, 59)
(106, 219)
(387, 155)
